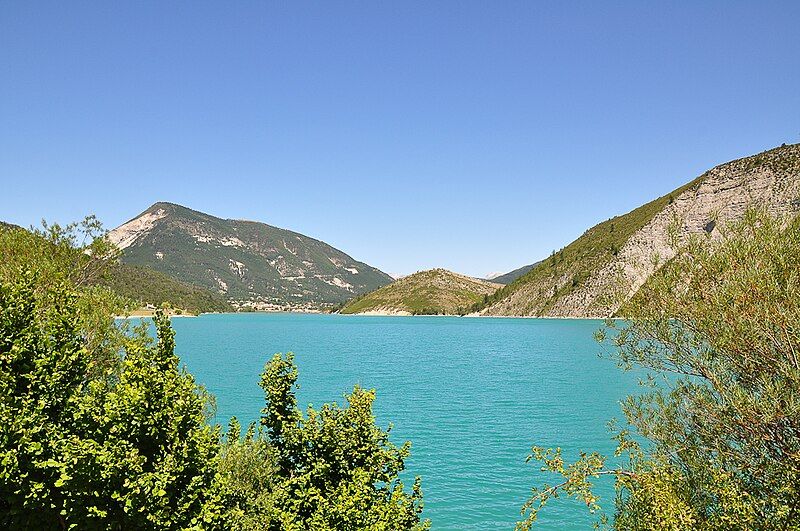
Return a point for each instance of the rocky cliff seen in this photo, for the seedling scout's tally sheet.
(599, 271)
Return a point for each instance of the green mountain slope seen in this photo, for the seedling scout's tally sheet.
(249, 263)
(147, 286)
(595, 274)
(436, 291)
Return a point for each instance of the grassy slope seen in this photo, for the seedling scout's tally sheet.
(436, 291)
(581, 258)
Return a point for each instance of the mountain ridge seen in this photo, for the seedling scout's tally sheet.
(596, 273)
(253, 264)
(511, 276)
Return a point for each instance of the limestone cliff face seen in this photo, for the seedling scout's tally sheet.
(593, 281)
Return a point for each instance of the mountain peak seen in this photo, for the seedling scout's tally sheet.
(251, 263)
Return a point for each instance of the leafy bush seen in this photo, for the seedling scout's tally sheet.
(327, 469)
(101, 429)
(717, 329)
(128, 449)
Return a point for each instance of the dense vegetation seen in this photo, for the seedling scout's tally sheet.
(100, 428)
(146, 286)
(714, 442)
(432, 292)
(327, 469)
(54, 246)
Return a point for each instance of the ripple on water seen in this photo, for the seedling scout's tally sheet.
(472, 395)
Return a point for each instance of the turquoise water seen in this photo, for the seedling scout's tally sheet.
(472, 395)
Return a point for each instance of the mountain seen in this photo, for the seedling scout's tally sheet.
(251, 264)
(595, 274)
(511, 276)
(436, 291)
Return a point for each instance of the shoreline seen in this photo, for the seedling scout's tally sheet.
(376, 313)
(379, 313)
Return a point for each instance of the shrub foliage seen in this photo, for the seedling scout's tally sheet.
(100, 427)
(716, 434)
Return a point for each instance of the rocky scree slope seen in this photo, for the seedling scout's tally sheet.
(252, 264)
(436, 291)
(594, 275)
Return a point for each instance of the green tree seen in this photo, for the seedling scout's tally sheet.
(327, 469)
(717, 331)
(128, 449)
(79, 256)
(101, 429)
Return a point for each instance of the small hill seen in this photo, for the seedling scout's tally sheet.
(595, 274)
(432, 292)
(250, 264)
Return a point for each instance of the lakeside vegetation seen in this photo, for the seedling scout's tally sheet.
(713, 443)
(100, 427)
(54, 246)
(149, 287)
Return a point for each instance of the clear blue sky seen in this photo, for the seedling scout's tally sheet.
(476, 136)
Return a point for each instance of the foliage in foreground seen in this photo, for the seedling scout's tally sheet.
(125, 449)
(74, 255)
(718, 332)
(80, 254)
(101, 429)
(327, 469)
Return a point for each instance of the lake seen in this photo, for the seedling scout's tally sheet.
(472, 394)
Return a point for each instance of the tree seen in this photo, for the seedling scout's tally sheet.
(101, 429)
(76, 255)
(717, 330)
(327, 469)
(128, 449)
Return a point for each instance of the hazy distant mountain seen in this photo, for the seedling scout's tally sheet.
(250, 263)
(511, 276)
(603, 268)
(436, 291)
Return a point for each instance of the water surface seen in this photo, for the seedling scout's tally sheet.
(471, 394)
